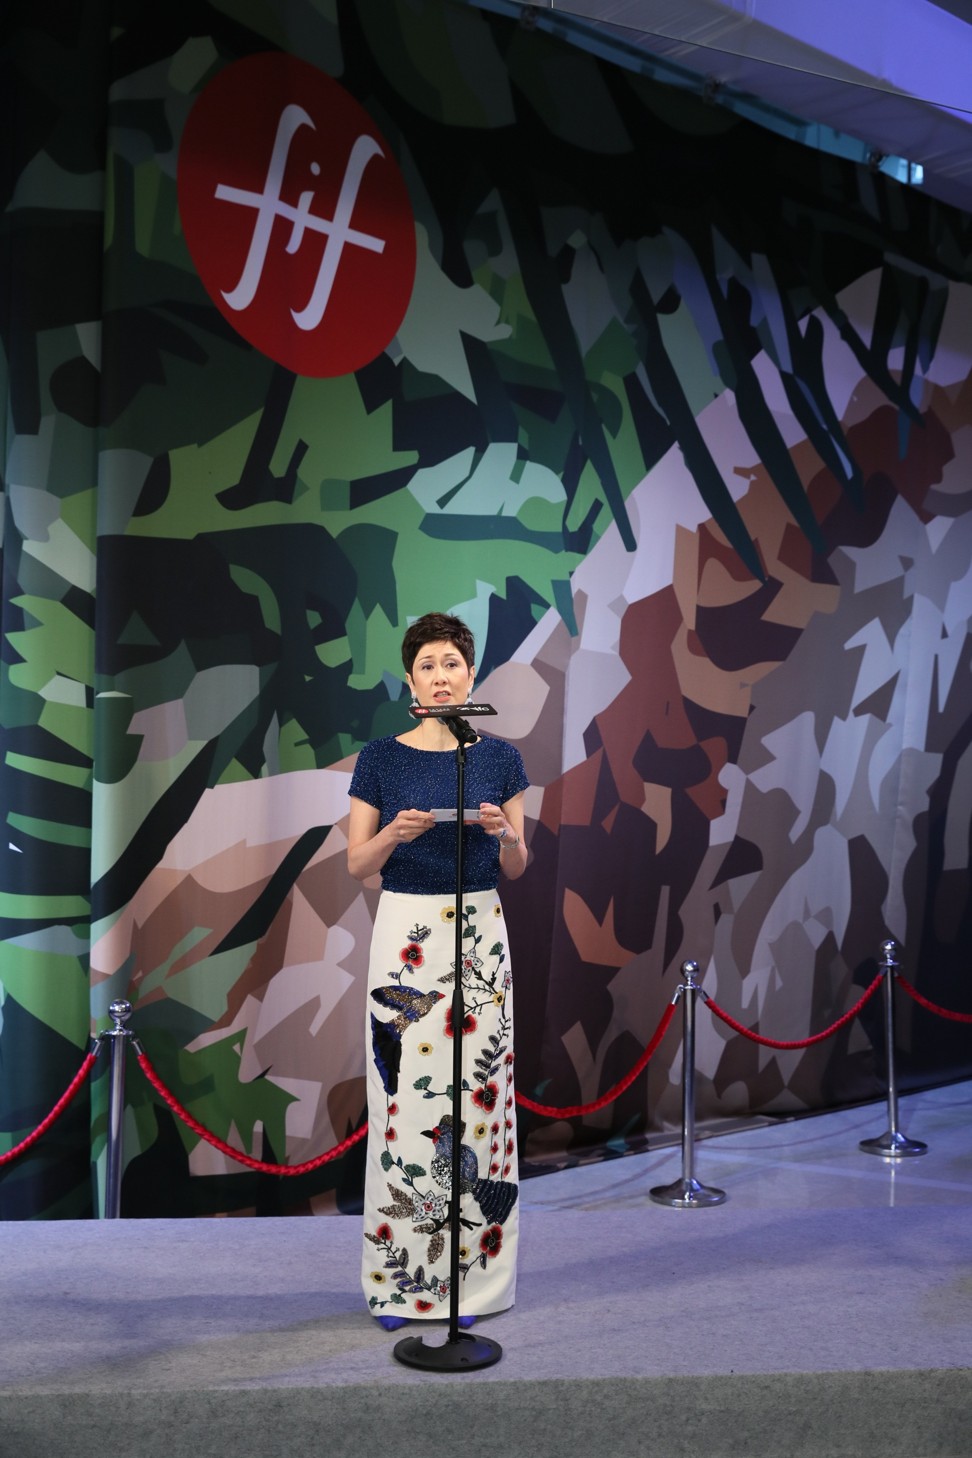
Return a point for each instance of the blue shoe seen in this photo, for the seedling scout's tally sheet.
(466, 1322)
(392, 1323)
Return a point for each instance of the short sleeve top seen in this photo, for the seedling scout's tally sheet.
(393, 776)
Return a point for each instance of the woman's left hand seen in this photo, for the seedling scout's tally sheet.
(493, 821)
(505, 824)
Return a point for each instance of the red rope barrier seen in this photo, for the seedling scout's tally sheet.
(259, 1164)
(796, 1042)
(550, 1111)
(943, 1012)
(572, 1110)
(569, 1111)
(56, 1112)
(346, 1144)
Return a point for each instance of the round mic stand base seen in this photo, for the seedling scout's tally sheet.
(893, 1145)
(465, 1354)
(686, 1194)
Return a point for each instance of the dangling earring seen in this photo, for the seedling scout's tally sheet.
(414, 703)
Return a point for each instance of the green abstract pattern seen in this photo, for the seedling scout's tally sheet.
(677, 419)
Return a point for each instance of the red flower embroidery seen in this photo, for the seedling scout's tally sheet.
(468, 1024)
(491, 1240)
(390, 1135)
(412, 955)
(392, 1110)
(423, 1306)
(486, 1097)
(384, 1232)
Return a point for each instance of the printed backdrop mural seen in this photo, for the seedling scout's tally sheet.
(319, 316)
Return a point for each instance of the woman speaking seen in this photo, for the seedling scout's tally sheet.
(397, 785)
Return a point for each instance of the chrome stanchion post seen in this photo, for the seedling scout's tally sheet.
(119, 1012)
(892, 1144)
(687, 1192)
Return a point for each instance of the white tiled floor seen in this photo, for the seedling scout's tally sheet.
(796, 1164)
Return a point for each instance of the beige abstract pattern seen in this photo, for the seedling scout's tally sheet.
(717, 770)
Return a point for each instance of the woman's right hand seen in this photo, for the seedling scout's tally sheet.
(410, 824)
(369, 847)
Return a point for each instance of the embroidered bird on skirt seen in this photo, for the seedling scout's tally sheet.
(495, 1198)
(386, 1037)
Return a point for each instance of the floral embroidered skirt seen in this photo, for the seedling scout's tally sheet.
(408, 1178)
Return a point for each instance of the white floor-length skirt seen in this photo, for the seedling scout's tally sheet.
(408, 1178)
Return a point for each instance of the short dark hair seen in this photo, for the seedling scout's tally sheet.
(438, 628)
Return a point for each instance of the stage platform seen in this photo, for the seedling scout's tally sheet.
(824, 1310)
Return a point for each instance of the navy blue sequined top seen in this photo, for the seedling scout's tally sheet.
(393, 776)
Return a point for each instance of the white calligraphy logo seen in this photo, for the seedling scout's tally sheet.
(269, 206)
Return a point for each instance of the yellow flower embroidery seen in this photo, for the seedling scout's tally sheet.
(425, 1049)
(448, 913)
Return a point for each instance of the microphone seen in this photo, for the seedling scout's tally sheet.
(450, 711)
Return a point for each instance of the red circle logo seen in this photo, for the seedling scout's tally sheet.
(296, 215)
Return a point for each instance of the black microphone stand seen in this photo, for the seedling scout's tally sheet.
(461, 1351)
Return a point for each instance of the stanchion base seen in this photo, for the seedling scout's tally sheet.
(894, 1145)
(686, 1195)
(466, 1354)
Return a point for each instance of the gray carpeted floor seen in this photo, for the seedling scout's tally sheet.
(825, 1308)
